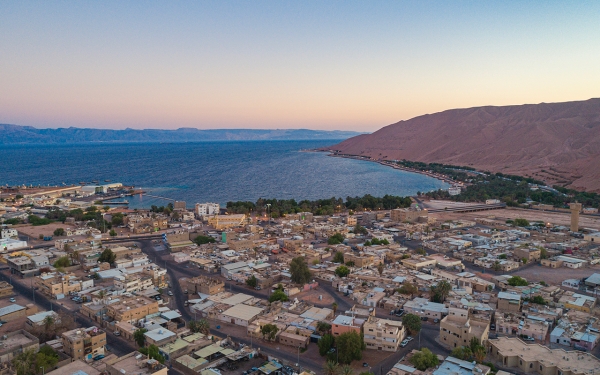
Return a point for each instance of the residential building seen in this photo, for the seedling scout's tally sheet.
(13, 312)
(22, 265)
(424, 308)
(459, 328)
(529, 254)
(418, 263)
(132, 283)
(85, 343)
(360, 260)
(9, 233)
(205, 285)
(160, 337)
(5, 289)
(205, 209)
(240, 314)
(535, 358)
(410, 215)
(59, 285)
(135, 363)
(16, 342)
(342, 324)
(455, 366)
(383, 334)
(132, 309)
(577, 301)
(509, 301)
(226, 221)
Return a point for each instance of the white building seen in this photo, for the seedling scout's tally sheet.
(9, 233)
(454, 190)
(8, 244)
(204, 209)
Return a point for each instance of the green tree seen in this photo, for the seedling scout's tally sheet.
(278, 295)
(323, 327)
(346, 370)
(62, 262)
(113, 233)
(59, 232)
(360, 230)
(517, 281)
(539, 300)
(440, 291)
(334, 307)
(496, 266)
(199, 326)
(350, 263)
(337, 238)
(462, 352)
(116, 219)
(424, 359)
(153, 353)
(252, 281)
(299, 271)
(331, 368)
(412, 322)
(502, 256)
(269, 331)
(107, 256)
(349, 347)
(138, 336)
(408, 289)
(521, 222)
(338, 257)
(325, 343)
(380, 268)
(201, 240)
(342, 271)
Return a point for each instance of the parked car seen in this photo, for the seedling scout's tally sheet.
(170, 293)
(404, 343)
(365, 364)
(527, 338)
(424, 318)
(409, 338)
(117, 333)
(12, 300)
(436, 320)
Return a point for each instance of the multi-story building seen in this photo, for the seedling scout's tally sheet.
(157, 274)
(383, 334)
(535, 358)
(132, 283)
(146, 223)
(360, 260)
(459, 328)
(425, 308)
(22, 265)
(55, 285)
(84, 343)
(342, 324)
(206, 209)
(132, 309)
(226, 221)
(577, 301)
(410, 215)
(205, 285)
(508, 301)
(529, 254)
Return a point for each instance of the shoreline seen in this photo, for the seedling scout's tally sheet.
(390, 164)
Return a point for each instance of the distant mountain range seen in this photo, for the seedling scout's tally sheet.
(16, 134)
(555, 142)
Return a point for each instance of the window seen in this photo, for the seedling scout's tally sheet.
(531, 365)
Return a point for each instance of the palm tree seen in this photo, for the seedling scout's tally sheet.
(331, 368)
(346, 370)
(334, 307)
(203, 326)
(48, 321)
(102, 294)
(380, 268)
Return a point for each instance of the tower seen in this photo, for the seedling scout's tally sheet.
(575, 209)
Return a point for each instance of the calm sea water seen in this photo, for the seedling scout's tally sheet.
(211, 171)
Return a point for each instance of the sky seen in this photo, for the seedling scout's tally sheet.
(344, 65)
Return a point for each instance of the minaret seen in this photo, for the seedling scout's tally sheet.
(575, 209)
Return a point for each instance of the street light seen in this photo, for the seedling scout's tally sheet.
(43, 370)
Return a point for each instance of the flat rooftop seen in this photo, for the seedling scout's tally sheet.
(137, 363)
(574, 361)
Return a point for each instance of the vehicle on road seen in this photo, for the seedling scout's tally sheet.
(12, 300)
(436, 320)
(527, 338)
(170, 293)
(404, 343)
(117, 333)
(365, 364)
(424, 318)
(409, 338)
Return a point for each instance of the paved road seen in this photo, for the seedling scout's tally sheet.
(176, 271)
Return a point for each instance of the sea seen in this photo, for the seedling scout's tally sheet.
(209, 171)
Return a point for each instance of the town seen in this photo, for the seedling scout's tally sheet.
(372, 286)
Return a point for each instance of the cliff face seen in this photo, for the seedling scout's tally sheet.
(556, 142)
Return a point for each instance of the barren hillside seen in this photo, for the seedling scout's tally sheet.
(555, 142)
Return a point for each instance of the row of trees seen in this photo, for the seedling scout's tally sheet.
(31, 363)
(279, 207)
(348, 347)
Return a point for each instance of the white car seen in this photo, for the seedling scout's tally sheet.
(12, 300)
(409, 338)
(404, 343)
(170, 293)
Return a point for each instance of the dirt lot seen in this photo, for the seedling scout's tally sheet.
(312, 296)
(556, 218)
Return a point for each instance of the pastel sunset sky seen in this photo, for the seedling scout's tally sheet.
(346, 65)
